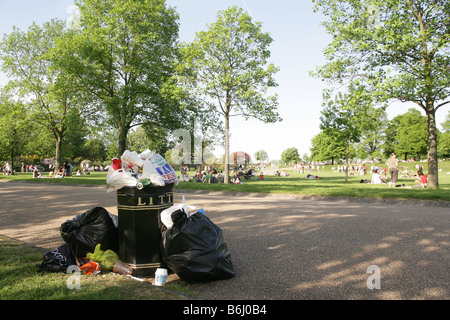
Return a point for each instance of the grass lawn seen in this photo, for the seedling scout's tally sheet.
(331, 184)
(20, 279)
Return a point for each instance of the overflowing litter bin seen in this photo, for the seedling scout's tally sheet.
(144, 185)
(140, 226)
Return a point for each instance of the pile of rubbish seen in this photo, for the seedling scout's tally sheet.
(139, 170)
(191, 245)
(91, 242)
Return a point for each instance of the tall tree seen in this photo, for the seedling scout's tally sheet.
(399, 48)
(261, 155)
(227, 67)
(122, 55)
(346, 115)
(373, 136)
(28, 59)
(290, 155)
(326, 146)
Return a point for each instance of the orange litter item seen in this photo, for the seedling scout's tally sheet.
(90, 267)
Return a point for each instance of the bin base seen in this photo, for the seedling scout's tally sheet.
(145, 270)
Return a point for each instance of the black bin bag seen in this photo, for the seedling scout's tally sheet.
(86, 230)
(194, 249)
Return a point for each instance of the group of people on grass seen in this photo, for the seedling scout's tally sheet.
(379, 175)
(393, 168)
(211, 175)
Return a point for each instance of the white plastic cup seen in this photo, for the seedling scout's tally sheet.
(132, 157)
(160, 277)
(146, 154)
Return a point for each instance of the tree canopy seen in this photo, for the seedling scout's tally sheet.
(399, 49)
(122, 55)
(52, 99)
(290, 155)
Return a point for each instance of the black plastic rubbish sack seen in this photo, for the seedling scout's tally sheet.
(86, 230)
(194, 249)
(57, 260)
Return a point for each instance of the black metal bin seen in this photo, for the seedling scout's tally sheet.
(140, 226)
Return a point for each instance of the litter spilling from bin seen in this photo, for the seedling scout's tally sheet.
(140, 170)
(150, 236)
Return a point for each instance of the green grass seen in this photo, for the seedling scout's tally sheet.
(332, 184)
(20, 279)
(96, 178)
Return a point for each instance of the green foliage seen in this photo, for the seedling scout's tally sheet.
(94, 149)
(290, 155)
(14, 128)
(53, 98)
(261, 155)
(446, 123)
(373, 135)
(411, 136)
(347, 115)
(444, 145)
(327, 146)
(122, 56)
(148, 137)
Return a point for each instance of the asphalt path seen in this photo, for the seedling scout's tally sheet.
(282, 247)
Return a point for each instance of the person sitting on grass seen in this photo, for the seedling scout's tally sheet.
(208, 177)
(219, 177)
(36, 173)
(198, 176)
(422, 180)
(60, 173)
(236, 179)
(376, 177)
(184, 177)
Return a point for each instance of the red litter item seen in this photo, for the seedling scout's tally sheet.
(116, 164)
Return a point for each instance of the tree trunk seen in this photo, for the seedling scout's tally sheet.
(432, 146)
(226, 178)
(123, 132)
(346, 165)
(11, 152)
(58, 155)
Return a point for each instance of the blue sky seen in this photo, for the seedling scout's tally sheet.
(297, 48)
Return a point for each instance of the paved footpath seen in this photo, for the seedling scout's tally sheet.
(282, 247)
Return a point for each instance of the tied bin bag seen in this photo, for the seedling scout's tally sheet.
(194, 249)
(86, 230)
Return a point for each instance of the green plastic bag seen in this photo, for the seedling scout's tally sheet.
(106, 259)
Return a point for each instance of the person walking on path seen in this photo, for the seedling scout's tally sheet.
(393, 169)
